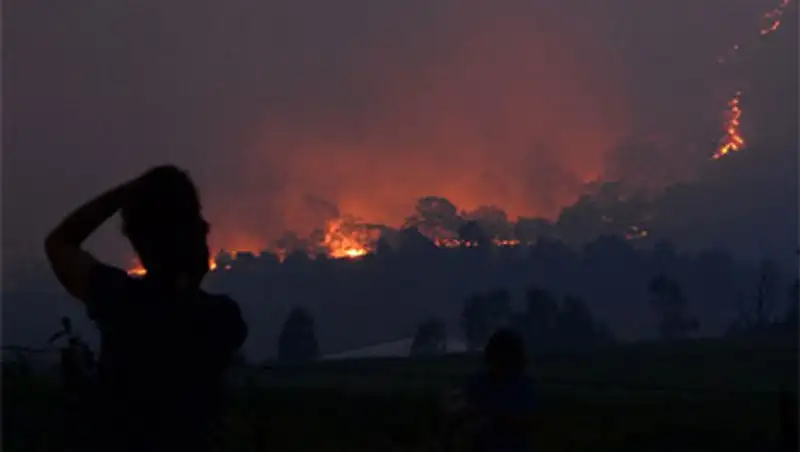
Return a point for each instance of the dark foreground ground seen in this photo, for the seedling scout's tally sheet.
(694, 396)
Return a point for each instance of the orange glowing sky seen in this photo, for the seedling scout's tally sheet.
(497, 114)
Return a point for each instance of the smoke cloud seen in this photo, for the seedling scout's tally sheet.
(291, 112)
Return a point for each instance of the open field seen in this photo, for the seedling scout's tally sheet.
(699, 395)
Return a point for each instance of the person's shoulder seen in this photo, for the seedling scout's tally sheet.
(221, 305)
(107, 277)
(110, 290)
(225, 311)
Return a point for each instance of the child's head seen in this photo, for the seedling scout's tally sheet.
(505, 353)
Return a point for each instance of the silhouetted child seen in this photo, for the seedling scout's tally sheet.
(500, 400)
(165, 343)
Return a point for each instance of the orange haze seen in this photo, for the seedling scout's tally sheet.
(504, 108)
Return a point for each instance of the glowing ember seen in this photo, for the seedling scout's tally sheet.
(636, 232)
(772, 18)
(506, 243)
(733, 140)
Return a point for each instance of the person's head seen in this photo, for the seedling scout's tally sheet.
(163, 221)
(504, 354)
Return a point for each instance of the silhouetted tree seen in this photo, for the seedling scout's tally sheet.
(612, 210)
(498, 308)
(483, 314)
(297, 341)
(791, 319)
(430, 338)
(476, 321)
(577, 327)
(664, 254)
(413, 241)
(434, 217)
(528, 230)
(539, 321)
(472, 232)
(575, 324)
(493, 221)
(297, 259)
(671, 308)
(765, 281)
(383, 247)
(757, 320)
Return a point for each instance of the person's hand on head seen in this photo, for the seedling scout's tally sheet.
(156, 173)
(156, 181)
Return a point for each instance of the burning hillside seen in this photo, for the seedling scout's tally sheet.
(438, 222)
(732, 140)
(477, 119)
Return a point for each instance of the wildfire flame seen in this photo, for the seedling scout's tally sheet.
(351, 242)
(341, 243)
(733, 140)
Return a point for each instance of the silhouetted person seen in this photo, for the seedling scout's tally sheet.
(165, 344)
(501, 397)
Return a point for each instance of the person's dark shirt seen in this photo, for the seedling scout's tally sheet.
(162, 361)
(494, 398)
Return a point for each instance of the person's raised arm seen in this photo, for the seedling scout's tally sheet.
(71, 264)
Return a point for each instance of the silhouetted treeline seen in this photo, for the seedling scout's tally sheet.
(634, 292)
(544, 322)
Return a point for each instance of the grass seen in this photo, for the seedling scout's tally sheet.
(700, 395)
